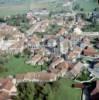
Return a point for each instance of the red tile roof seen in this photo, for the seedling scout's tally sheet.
(63, 65)
(6, 84)
(90, 52)
(4, 96)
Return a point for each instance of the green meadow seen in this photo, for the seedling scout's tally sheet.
(9, 9)
(18, 65)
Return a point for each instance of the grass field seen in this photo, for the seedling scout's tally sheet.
(13, 9)
(6, 10)
(65, 91)
(17, 65)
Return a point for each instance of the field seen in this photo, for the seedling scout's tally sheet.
(14, 8)
(88, 5)
(65, 92)
(17, 65)
(6, 10)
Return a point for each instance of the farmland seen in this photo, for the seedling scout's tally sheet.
(14, 7)
(9, 9)
(87, 5)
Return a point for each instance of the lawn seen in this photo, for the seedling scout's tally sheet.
(17, 65)
(65, 91)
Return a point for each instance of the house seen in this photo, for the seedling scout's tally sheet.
(19, 78)
(89, 51)
(10, 32)
(75, 54)
(48, 37)
(42, 60)
(51, 42)
(78, 31)
(56, 61)
(9, 36)
(36, 77)
(40, 26)
(34, 59)
(60, 69)
(17, 47)
(33, 21)
(86, 42)
(55, 71)
(34, 42)
(74, 40)
(63, 67)
(43, 51)
(64, 46)
(77, 50)
(4, 96)
(4, 45)
(8, 86)
(61, 32)
(40, 51)
(77, 68)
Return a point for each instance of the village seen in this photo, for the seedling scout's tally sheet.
(66, 52)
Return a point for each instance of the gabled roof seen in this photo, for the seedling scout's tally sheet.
(63, 65)
(6, 84)
(77, 68)
(41, 76)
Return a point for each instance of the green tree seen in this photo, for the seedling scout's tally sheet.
(27, 52)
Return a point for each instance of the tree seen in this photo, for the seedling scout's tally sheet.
(26, 91)
(27, 52)
(2, 20)
(76, 7)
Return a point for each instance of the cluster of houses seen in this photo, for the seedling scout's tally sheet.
(38, 25)
(61, 51)
(7, 88)
(11, 39)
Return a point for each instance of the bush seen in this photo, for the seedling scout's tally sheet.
(85, 75)
(3, 69)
